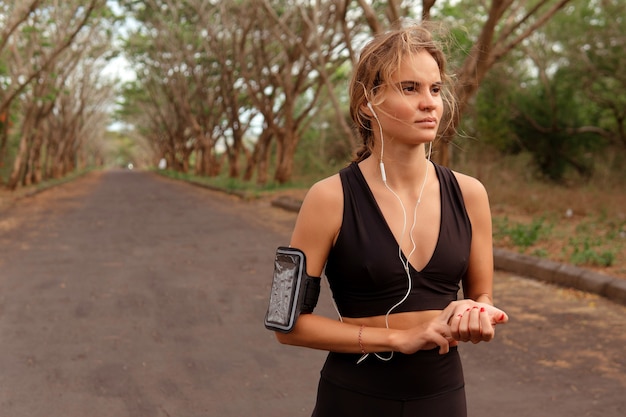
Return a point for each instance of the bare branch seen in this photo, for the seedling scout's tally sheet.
(370, 17)
(13, 25)
(426, 6)
(500, 51)
(87, 10)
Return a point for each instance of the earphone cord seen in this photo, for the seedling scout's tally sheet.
(405, 262)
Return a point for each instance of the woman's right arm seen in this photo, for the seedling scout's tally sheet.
(316, 229)
(318, 223)
(317, 332)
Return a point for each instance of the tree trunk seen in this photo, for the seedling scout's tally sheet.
(19, 164)
(286, 152)
(199, 167)
(263, 159)
(263, 142)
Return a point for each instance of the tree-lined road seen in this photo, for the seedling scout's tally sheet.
(127, 294)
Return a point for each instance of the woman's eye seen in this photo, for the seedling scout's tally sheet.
(409, 87)
(414, 88)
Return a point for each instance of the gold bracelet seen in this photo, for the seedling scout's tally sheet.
(360, 339)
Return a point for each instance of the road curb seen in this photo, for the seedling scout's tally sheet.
(287, 203)
(561, 274)
(553, 272)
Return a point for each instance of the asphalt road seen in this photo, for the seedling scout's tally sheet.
(127, 294)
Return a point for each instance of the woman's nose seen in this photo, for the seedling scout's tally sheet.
(427, 102)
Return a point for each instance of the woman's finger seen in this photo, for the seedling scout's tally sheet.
(487, 330)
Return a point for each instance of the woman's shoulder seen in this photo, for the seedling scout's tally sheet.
(468, 183)
(475, 197)
(319, 219)
(472, 189)
(327, 191)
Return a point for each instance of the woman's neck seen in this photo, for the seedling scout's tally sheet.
(402, 171)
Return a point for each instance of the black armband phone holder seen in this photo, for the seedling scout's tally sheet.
(293, 291)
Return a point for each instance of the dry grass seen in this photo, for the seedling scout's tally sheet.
(583, 222)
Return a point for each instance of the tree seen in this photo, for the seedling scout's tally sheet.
(223, 49)
(545, 124)
(216, 67)
(160, 49)
(593, 52)
(45, 42)
(507, 24)
(575, 107)
(285, 64)
(266, 63)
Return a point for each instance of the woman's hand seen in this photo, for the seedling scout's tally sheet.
(461, 321)
(424, 337)
(474, 322)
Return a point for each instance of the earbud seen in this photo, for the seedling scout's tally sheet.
(369, 106)
(381, 164)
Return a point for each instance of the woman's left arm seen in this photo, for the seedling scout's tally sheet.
(478, 282)
(474, 318)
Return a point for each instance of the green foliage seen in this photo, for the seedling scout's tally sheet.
(587, 252)
(597, 241)
(511, 113)
(545, 126)
(231, 185)
(594, 242)
(489, 120)
(122, 149)
(461, 22)
(560, 96)
(522, 235)
(322, 149)
(573, 107)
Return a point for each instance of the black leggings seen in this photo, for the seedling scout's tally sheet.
(424, 384)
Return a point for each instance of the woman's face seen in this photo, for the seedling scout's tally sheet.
(411, 107)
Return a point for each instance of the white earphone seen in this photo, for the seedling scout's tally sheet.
(369, 106)
(404, 261)
(381, 164)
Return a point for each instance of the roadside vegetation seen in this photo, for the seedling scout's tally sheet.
(250, 95)
(582, 222)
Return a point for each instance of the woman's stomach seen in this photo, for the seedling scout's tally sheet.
(398, 321)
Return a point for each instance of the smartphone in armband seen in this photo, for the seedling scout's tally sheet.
(293, 291)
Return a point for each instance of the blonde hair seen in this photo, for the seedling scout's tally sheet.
(379, 60)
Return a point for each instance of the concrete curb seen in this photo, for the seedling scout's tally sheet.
(558, 273)
(561, 274)
(287, 203)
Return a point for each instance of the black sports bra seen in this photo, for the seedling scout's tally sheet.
(363, 268)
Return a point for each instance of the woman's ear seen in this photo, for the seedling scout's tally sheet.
(366, 109)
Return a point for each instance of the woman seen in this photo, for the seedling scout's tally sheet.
(396, 235)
